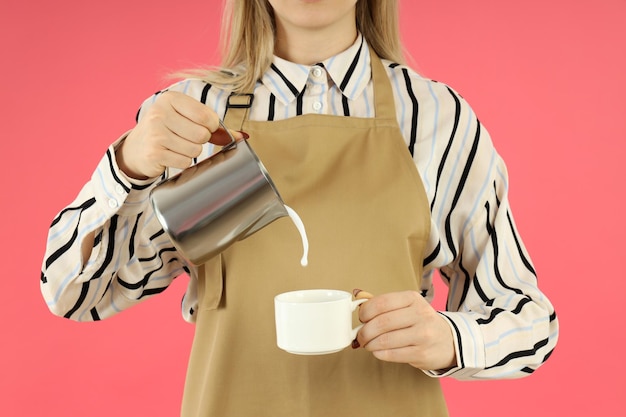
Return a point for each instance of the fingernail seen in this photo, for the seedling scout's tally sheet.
(355, 344)
(245, 135)
(356, 291)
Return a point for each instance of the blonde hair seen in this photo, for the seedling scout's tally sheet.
(248, 31)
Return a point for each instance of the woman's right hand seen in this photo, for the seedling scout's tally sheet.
(170, 134)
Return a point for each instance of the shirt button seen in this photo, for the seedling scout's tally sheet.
(317, 106)
(317, 72)
(112, 203)
(119, 189)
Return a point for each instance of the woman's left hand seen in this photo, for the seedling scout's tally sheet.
(403, 327)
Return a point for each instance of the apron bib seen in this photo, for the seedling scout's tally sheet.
(360, 196)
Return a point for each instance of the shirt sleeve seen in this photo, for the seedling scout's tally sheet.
(503, 325)
(131, 257)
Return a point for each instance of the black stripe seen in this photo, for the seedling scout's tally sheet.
(496, 311)
(83, 294)
(520, 354)
(415, 111)
(272, 109)
(525, 260)
(157, 234)
(145, 279)
(83, 206)
(444, 157)
(110, 248)
(205, 92)
(547, 356)
(527, 370)
(459, 190)
(94, 314)
(43, 278)
(344, 103)
(466, 281)
(290, 86)
(495, 192)
(496, 252)
(443, 274)
(129, 285)
(141, 187)
(353, 64)
(458, 337)
(151, 291)
(97, 239)
(479, 289)
(131, 244)
(299, 102)
(115, 177)
(153, 257)
(59, 252)
(433, 255)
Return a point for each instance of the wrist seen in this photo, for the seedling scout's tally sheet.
(123, 166)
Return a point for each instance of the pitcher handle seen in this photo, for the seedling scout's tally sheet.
(233, 141)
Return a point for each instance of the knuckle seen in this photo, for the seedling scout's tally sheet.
(384, 341)
(383, 323)
(380, 304)
(154, 117)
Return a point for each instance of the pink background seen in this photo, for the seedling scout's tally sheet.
(547, 78)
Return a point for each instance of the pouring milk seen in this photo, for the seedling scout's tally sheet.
(305, 241)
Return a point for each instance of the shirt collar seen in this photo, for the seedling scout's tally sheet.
(349, 70)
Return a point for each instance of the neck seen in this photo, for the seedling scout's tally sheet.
(309, 47)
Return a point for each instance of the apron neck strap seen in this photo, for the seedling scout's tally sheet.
(384, 103)
(237, 108)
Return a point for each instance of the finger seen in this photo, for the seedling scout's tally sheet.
(359, 294)
(194, 110)
(419, 356)
(183, 147)
(406, 354)
(379, 332)
(385, 303)
(172, 159)
(187, 129)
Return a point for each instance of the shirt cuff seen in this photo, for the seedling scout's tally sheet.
(115, 192)
(468, 344)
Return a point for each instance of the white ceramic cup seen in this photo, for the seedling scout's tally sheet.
(315, 322)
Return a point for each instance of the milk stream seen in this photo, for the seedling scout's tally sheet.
(305, 241)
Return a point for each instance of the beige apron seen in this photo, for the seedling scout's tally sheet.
(360, 196)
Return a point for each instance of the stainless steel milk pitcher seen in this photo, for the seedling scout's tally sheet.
(224, 198)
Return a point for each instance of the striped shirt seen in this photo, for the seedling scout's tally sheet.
(503, 326)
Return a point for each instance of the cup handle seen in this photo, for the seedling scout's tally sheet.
(355, 304)
(355, 331)
(358, 302)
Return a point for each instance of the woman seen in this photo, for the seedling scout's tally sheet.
(393, 176)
